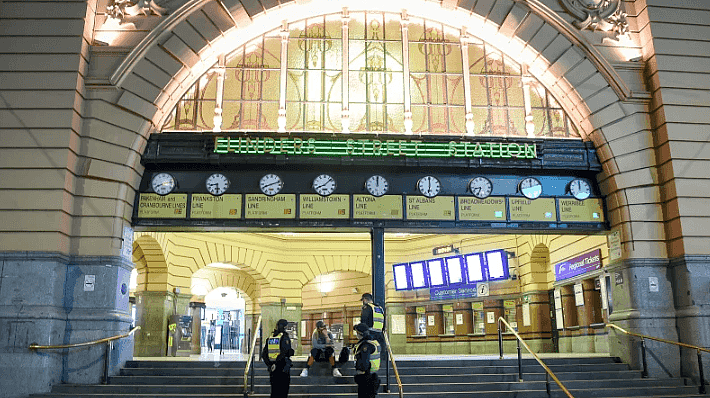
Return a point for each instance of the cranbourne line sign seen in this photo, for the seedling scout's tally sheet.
(372, 148)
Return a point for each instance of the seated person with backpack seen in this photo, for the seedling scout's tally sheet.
(322, 350)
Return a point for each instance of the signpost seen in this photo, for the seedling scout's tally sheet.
(422, 208)
(388, 207)
(582, 264)
(489, 209)
(278, 206)
(316, 206)
(588, 210)
(151, 205)
(541, 209)
(228, 206)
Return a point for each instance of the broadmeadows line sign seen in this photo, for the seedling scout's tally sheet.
(372, 147)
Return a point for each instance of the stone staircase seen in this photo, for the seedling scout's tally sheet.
(421, 378)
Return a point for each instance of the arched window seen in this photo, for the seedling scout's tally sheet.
(373, 72)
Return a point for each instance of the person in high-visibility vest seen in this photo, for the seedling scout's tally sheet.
(373, 316)
(367, 362)
(277, 357)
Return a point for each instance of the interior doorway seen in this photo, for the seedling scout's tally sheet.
(222, 326)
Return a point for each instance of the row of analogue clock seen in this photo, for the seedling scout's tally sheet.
(376, 185)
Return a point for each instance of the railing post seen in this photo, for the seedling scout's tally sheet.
(387, 368)
(520, 362)
(258, 355)
(700, 373)
(107, 361)
(252, 366)
(547, 383)
(500, 340)
(644, 373)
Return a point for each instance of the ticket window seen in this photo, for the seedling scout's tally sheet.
(510, 314)
(479, 318)
(449, 326)
(420, 321)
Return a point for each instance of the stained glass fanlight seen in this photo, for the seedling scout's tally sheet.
(370, 72)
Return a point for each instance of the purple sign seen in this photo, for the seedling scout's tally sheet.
(453, 293)
(579, 265)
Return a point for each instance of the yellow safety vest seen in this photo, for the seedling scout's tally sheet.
(374, 357)
(274, 346)
(378, 317)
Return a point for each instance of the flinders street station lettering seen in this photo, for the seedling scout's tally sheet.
(372, 147)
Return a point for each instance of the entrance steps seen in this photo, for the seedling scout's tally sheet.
(600, 377)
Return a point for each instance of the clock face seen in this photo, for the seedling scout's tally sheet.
(530, 188)
(217, 184)
(324, 185)
(580, 189)
(162, 183)
(377, 185)
(271, 184)
(480, 187)
(429, 186)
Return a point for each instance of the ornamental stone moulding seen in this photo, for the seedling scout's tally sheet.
(604, 16)
(122, 9)
(123, 15)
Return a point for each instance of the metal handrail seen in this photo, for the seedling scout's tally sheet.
(394, 365)
(520, 371)
(643, 337)
(251, 356)
(35, 346)
(109, 346)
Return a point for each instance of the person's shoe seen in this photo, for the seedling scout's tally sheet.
(336, 373)
(304, 373)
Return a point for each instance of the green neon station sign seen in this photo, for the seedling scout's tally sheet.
(372, 148)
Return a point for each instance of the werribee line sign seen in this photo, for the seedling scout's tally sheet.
(372, 148)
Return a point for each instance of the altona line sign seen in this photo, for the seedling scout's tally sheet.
(372, 148)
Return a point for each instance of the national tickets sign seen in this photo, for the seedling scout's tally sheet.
(579, 265)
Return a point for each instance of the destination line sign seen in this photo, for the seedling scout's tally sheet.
(372, 147)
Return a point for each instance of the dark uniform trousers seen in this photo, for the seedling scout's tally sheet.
(367, 385)
(280, 383)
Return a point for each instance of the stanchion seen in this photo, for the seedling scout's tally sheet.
(500, 340)
(644, 373)
(701, 375)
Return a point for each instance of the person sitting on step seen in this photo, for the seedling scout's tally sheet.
(322, 350)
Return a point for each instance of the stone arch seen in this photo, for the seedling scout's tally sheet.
(540, 260)
(180, 255)
(149, 258)
(534, 262)
(186, 43)
(213, 278)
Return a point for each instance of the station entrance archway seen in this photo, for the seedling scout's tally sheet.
(371, 120)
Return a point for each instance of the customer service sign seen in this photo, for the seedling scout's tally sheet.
(579, 265)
